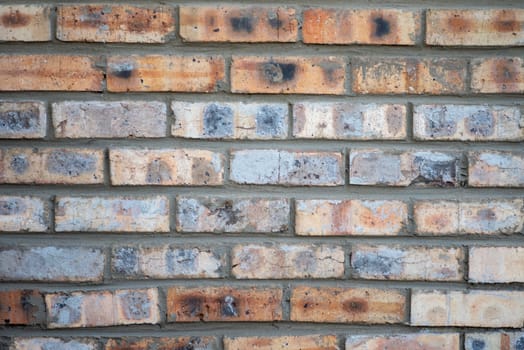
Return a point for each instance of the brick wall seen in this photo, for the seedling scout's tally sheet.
(338, 175)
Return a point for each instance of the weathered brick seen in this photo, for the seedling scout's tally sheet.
(120, 307)
(122, 119)
(277, 261)
(497, 75)
(164, 73)
(50, 73)
(164, 343)
(48, 343)
(420, 341)
(166, 167)
(474, 308)
(483, 27)
(23, 214)
(436, 76)
(22, 119)
(496, 169)
(21, 307)
(386, 262)
(288, 75)
(349, 121)
(67, 264)
(403, 168)
(232, 215)
(25, 23)
(347, 305)
(494, 341)
(238, 24)
(496, 264)
(467, 123)
(362, 26)
(304, 342)
(350, 217)
(218, 120)
(280, 167)
(116, 214)
(52, 166)
(115, 23)
(163, 262)
(494, 216)
(186, 304)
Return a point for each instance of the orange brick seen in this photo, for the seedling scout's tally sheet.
(29, 214)
(42, 343)
(506, 264)
(52, 166)
(437, 217)
(238, 24)
(21, 307)
(185, 304)
(25, 23)
(496, 169)
(49, 73)
(347, 305)
(306, 342)
(115, 23)
(165, 73)
(288, 75)
(497, 75)
(447, 341)
(166, 167)
(493, 27)
(363, 26)
(436, 76)
(164, 343)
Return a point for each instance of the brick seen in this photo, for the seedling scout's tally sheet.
(47, 343)
(115, 23)
(362, 26)
(60, 264)
(278, 167)
(421, 341)
(486, 27)
(496, 216)
(18, 214)
(121, 307)
(387, 262)
(496, 264)
(50, 73)
(288, 75)
(166, 167)
(25, 23)
(232, 215)
(349, 121)
(403, 168)
(496, 169)
(350, 217)
(162, 262)
(104, 119)
(165, 73)
(494, 340)
(435, 76)
(497, 75)
(238, 24)
(186, 304)
(467, 123)
(52, 166)
(281, 261)
(164, 343)
(474, 308)
(204, 120)
(347, 305)
(22, 119)
(21, 307)
(115, 214)
(304, 342)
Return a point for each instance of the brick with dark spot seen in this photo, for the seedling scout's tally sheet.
(275, 72)
(22, 119)
(21, 307)
(29, 214)
(218, 121)
(163, 343)
(411, 341)
(497, 75)
(25, 23)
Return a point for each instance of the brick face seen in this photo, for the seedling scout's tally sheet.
(21, 307)
(23, 214)
(496, 169)
(449, 341)
(497, 75)
(163, 343)
(25, 23)
(506, 264)
(326, 342)
(22, 120)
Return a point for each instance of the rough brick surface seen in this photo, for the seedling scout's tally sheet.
(18, 214)
(307, 342)
(185, 304)
(494, 340)
(350, 217)
(115, 23)
(25, 23)
(22, 120)
(99, 119)
(21, 307)
(496, 264)
(496, 169)
(362, 26)
(497, 75)
(238, 24)
(448, 341)
(164, 343)
(43, 343)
